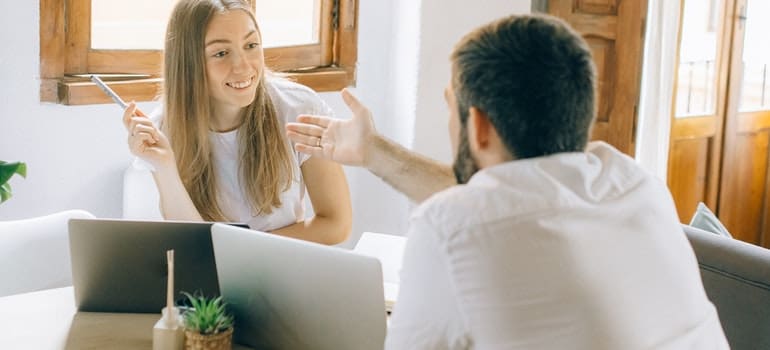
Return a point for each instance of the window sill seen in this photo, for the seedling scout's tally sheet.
(81, 91)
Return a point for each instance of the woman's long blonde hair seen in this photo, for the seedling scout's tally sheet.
(265, 163)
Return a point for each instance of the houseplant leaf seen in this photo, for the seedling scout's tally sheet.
(7, 170)
(206, 315)
(5, 192)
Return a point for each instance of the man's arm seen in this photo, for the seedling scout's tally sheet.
(416, 176)
(355, 142)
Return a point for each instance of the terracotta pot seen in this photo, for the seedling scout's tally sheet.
(219, 341)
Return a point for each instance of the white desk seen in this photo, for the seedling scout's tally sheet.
(389, 250)
(48, 320)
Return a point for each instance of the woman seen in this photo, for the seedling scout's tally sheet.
(219, 152)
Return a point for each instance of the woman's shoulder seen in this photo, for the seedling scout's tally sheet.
(294, 98)
(283, 85)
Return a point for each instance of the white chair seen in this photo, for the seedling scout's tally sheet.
(141, 200)
(35, 252)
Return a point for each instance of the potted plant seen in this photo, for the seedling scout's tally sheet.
(7, 170)
(208, 325)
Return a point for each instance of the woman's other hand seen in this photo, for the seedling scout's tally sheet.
(146, 141)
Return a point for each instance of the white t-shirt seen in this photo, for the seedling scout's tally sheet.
(290, 100)
(570, 251)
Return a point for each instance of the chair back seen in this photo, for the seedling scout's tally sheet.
(35, 252)
(736, 276)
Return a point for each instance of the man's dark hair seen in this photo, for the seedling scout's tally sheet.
(534, 78)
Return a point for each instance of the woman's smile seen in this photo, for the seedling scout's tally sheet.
(240, 85)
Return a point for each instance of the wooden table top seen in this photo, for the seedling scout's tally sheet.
(48, 320)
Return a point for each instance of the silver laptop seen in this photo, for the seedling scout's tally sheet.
(291, 294)
(120, 265)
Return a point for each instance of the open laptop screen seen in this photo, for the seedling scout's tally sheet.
(291, 294)
(120, 265)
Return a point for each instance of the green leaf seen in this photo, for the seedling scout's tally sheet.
(207, 315)
(22, 170)
(6, 172)
(5, 192)
(8, 169)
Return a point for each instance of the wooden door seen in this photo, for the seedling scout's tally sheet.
(744, 203)
(719, 149)
(699, 104)
(614, 29)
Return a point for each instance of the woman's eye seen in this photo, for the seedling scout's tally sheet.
(252, 45)
(220, 54)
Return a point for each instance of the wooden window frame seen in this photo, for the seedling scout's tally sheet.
(66, 57)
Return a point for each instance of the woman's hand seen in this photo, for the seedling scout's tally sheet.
(146, 141)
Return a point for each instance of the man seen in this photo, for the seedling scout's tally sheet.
(547, 243)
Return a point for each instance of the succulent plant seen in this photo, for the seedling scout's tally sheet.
(206, 315)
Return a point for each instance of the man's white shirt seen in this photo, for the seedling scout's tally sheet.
(571, 251)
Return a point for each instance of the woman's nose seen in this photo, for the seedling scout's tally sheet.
(240, 63)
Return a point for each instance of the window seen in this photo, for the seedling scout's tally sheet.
(755, 88)
(697, 76)
(311, 41)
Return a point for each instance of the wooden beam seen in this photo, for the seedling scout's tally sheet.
(86, 93)
(348, 38)
(51, 48)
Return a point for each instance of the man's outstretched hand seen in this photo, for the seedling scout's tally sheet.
(344, 141)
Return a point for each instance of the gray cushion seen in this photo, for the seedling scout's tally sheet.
(705, 219)
(736, 276)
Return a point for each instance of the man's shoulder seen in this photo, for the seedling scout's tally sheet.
(529, 189)
(464, 207)
(450, 199)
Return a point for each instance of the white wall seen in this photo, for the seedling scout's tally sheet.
(76, 155)
(445, 22)
(376, 206)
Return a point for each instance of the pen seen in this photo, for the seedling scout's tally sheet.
(112, 94)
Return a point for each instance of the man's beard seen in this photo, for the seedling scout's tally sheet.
(465, 165)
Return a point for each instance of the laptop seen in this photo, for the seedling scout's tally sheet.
(292, 294)
(120, 265)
